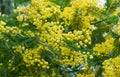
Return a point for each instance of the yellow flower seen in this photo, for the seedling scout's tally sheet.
(21, 17)
(2, 23)
(91, 56)
(117, 11)
(112, 67)
(105, 48)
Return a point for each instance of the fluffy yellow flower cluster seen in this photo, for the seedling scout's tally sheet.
(83, 4)
(112, 67)
(105, 48)
(39, 13)
(31, 57)
(68, 15)
(52, 34)
(77, 15)
(30, 33)
(13, 30)
(117, 30)
(21, 18)
(88, 72)
(2, 24)
(50, 23)
(18, 49)
(72, 58)
(117, 11)
(2, 29)
(86, 75)
(82, 38)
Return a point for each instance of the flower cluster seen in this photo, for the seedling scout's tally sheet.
(42, 12)
(2, 29)
(77, 15)
(105, 48)
(72, 58)
(2, 24)
(112, 67)
(51, 34)
(117, 11)
(117, 30)
(31, 57)
(86, 75)
(82, 38)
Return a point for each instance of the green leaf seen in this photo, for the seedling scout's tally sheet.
(62, 3)
(112, 19)
(111, 5)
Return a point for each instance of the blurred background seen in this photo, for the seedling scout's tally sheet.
(7, 6)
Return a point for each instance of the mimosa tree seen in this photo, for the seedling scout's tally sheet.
(47, 39)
